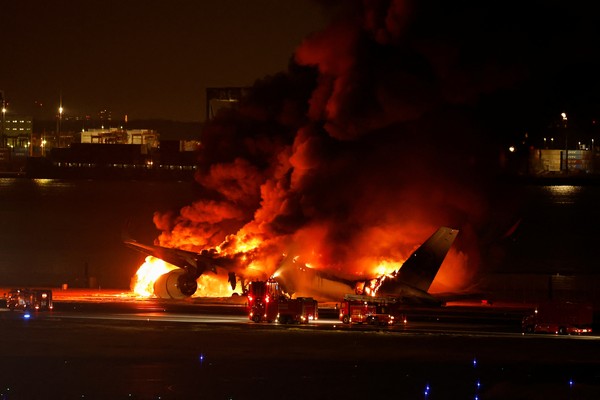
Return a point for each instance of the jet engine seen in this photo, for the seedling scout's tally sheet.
(177, 284)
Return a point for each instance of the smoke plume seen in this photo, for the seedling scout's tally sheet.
(354, 156)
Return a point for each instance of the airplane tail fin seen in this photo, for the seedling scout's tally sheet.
(423, 265)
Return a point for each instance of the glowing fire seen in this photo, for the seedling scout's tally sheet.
(143, 282)
(208, 285)
(213, 286)
(217, 285)
(386, 267)
(383, 270)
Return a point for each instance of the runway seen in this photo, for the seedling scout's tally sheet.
(114, 305)
(149, 349)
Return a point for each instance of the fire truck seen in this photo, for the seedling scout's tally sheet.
(29, 300)
(361, 309)
(562, 318)
(266, 302)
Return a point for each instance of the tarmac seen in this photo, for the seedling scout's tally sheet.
(74, 355)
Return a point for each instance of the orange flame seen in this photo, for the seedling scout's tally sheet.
(213, 286)
(375, 272)
(386, 267)
(142, 283)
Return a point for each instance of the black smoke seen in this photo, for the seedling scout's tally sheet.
(390, 122)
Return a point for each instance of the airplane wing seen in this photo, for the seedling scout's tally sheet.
(193, 263)
(182, 282)
(411, 282)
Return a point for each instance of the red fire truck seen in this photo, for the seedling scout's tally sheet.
(266, 302)
(26, 299)
(359, 309)
(563, 318)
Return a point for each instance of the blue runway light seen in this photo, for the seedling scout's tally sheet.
(474, 362)
(571, 383)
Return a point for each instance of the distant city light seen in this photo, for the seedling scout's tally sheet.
(511, 149)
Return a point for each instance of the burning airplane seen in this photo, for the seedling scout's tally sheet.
(410, 283)
(340, 167)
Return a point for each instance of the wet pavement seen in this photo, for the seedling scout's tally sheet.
(76, 357)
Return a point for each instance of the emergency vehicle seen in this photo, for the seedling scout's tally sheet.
(562, 318)
(26, 299)
(266, 302)
(359, 309)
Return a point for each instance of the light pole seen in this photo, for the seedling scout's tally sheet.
(3, 116)
(564, 119)
(3, 125)
(59, 123)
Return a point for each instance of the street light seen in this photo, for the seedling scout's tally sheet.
(59, 123)
(3, 124)
(564, 119)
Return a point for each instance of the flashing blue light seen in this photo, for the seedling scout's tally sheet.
(26, 316)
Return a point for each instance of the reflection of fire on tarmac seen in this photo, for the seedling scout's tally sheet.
(93, 295)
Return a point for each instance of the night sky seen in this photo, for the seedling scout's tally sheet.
(153, 59)
(147, 59)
